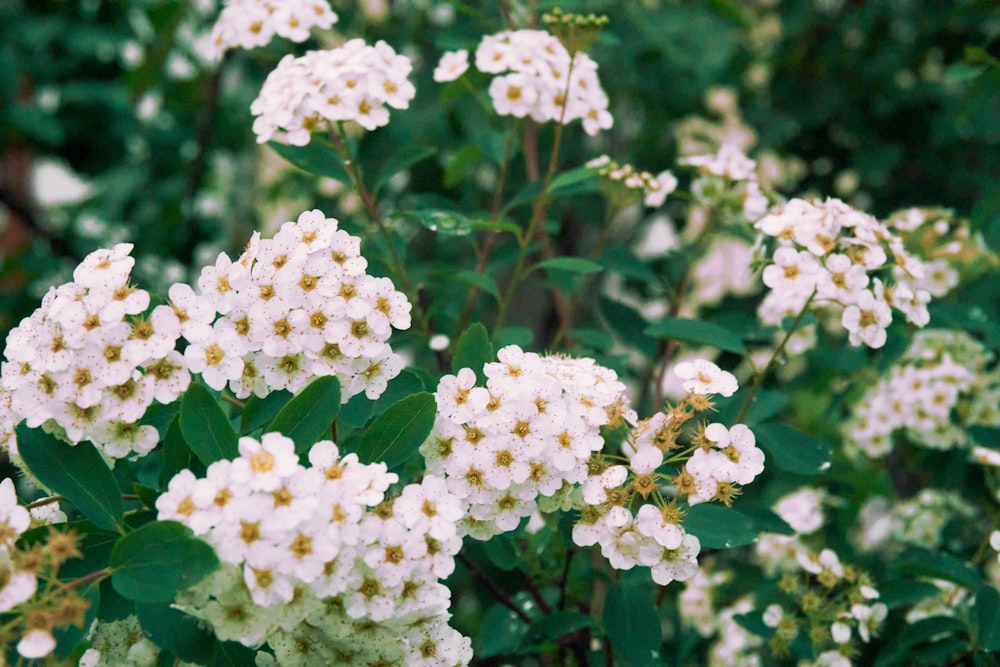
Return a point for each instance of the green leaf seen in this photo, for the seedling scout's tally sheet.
(77, 472)
(355, 413)
(205, 426)
(593, 338)
(317, 157)
(575, 181)
(397, 433)
(719, 527)
(628, 324)
(763, 520)
(632, 621)
(791, 450)
(938, 565)
(558, 624)
(904, 592)
(497, 226)
(153, 562)
(473, 350)
(502, 553)
(987, 613)
(173, 630)
(307, 418)
(446, 223)
(257, 412)
(526, 195)
(481, 280)
(516, 335)
(461, 161)
(408, 382)
(697, 332)
(506, 631)
(570, 264)
(619, 259)
(404, 159)
(176, 454)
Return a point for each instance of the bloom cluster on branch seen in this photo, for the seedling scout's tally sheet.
(252, 23)
(353, 82)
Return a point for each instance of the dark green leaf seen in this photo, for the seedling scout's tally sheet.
(408, 382)
(697, 332)
(404, 159)
(480, 280)
(473, 350)
(317, 157)
(205, 426)
(763, 520)
(258, 412)
(632, 621)
(397, 433)
(173, 630)
(307, 418)
(987, 611)
(557, 624)
(513, 336)
(619, 259)
(153, 562)
(791, 450)
(628, 325)
(233, 654)
(505, 634)
(76, 472)
(938, 565)
(159, 416)
(497, 226)
(575, 181)
(593, 338)
(446, 223)
(719, 527)
(903, 592)
(502, 553)
(570, 264)
(355, 413)
(526, 195)
(176, 455)
(461, 161)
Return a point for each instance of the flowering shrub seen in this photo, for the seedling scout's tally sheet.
(520, 402)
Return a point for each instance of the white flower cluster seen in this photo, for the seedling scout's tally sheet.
(832, 249)
(653, 190)
(351, 82)
(720, 459)
(940, 370)
(119, 642)
(528, 434)
(252, 23)
(17, 585)
(540, 79)
(319, 553)
(295, 307)
(728, 172)
(888, 526)
(88, 363)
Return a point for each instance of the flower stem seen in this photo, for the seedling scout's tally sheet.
(758, 378)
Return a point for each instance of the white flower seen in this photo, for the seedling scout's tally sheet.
(703, 377)
(451, 66)
(867, 320)
(252, 23)
(36, 644)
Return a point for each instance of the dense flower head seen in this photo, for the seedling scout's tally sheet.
(251, 23)
(921, 392)
(294, 307)
(316, 549)
(353, 82)
(529, 432)
(835, 252)
(538, 78)
(89, 361)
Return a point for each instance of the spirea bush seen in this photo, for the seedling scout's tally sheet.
(521, 401)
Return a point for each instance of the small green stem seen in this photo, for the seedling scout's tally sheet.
(758, 378)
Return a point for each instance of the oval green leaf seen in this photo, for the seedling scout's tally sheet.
(317, 157)
(697, 332)
(77, 472)
(153, 562)
(258, 412)
(484, 282)
(175, 631)
(205, 426)
(719, 527)
(632, 621)
(473, 350)
(792, 450)
(307, 418)
(397, 433)
(570, 264)
(988, 618)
